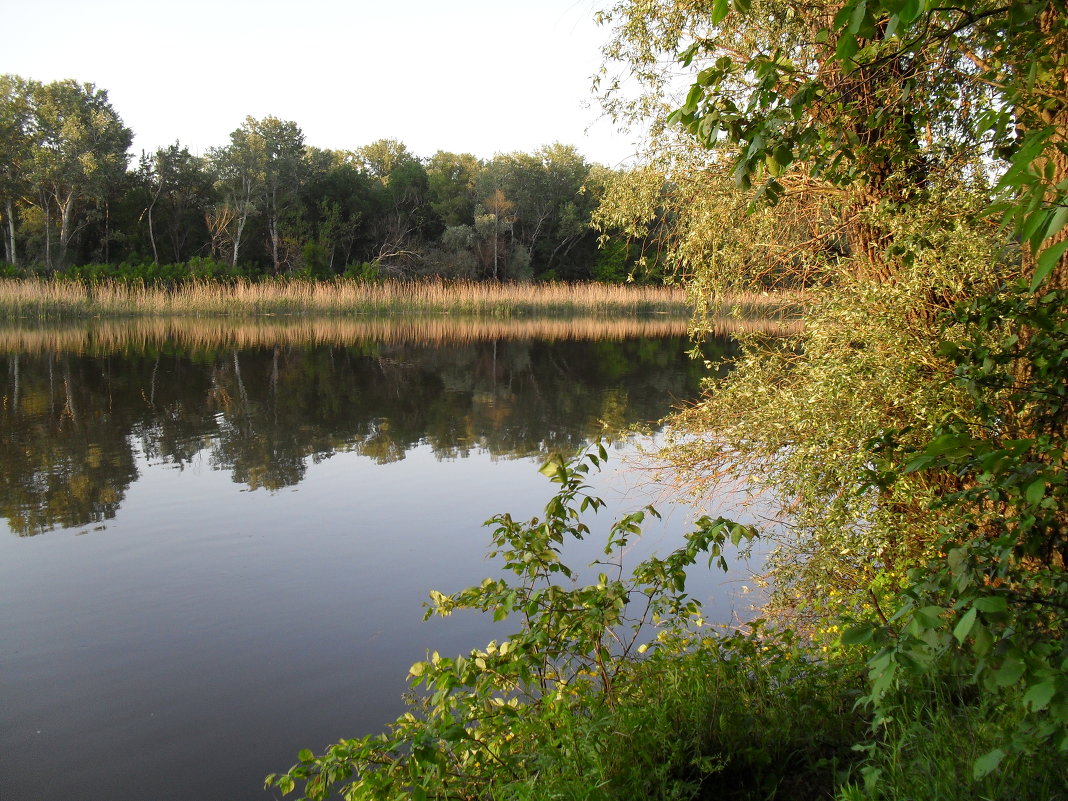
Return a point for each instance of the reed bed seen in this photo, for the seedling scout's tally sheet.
(51, 299)
(203, 333)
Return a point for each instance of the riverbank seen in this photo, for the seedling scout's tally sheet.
(59, 299)
(577, 702)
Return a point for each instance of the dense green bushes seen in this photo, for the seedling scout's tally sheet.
(198, 268)
(586, 700)
(567, 706)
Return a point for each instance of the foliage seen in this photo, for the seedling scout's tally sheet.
(990, 606)
(883, 94)
(929, 748)
(363, 271)
(196, 269)
(951, 554)
(789, 420)
(491, 723)
(268, 204)
(63, 149)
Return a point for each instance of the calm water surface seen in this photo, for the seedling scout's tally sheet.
(217, 553)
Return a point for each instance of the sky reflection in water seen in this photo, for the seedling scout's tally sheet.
(218, 556)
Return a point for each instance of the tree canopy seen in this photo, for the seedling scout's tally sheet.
(267, 202)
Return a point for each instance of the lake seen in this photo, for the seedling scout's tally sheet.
(219, 539)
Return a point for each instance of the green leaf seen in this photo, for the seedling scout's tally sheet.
(552, 467)
(1035, 491)
(964, 625)
(957, 559)
(892, 25)
(842, 17)
(847, 47)
(858, 635)
(305, 755)
(1038, 696)
(918, 463)
(910, 11)
(719, 11)
(1045, 263)
(693, 98)
(930, 616)
(945, 443)
(1059, 218)
(1010, 672)
(987, 763)
(991, 603)
(856, 19)
(984, 641)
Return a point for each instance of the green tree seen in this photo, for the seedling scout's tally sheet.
(951, 550)
(176, 190)
(16, 143)
(380, 158)
(78, 154)
(551, 210)
(340, 200)
(911, 84)
(238, 169)
(403, 220)
(261, 171)
(490, 226)
(451, 178)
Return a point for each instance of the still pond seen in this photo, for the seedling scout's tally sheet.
(215, 542)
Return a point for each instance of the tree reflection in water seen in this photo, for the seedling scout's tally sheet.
(79, 405)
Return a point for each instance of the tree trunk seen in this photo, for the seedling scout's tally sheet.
(272, 226)
(46, 204)
(274, 243)
(496, 239)
(152, 230)
(12, 255)
(245, 205)
(66, 214)
(237, 236)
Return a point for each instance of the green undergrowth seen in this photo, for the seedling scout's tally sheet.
(929, 750)
(740, 716)
(616, 689)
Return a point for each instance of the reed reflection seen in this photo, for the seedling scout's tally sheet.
(80, 406)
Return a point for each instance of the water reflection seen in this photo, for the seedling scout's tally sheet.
(79, 404)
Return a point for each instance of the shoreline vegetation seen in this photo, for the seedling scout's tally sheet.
(907, 163)
(911, 442)
(53, 299)
(85, 335)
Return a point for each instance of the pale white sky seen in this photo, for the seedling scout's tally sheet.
(479, 76)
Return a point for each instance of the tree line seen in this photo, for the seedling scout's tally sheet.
(268, 203)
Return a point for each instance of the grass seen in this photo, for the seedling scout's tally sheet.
(928, 750)
(113, 334)
(757, 718)
(55, 298)
(737, 718)
(50, 298)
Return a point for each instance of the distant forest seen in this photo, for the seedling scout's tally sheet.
(74, 201)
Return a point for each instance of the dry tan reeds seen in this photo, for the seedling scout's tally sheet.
(49, 298)
(138, 334)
